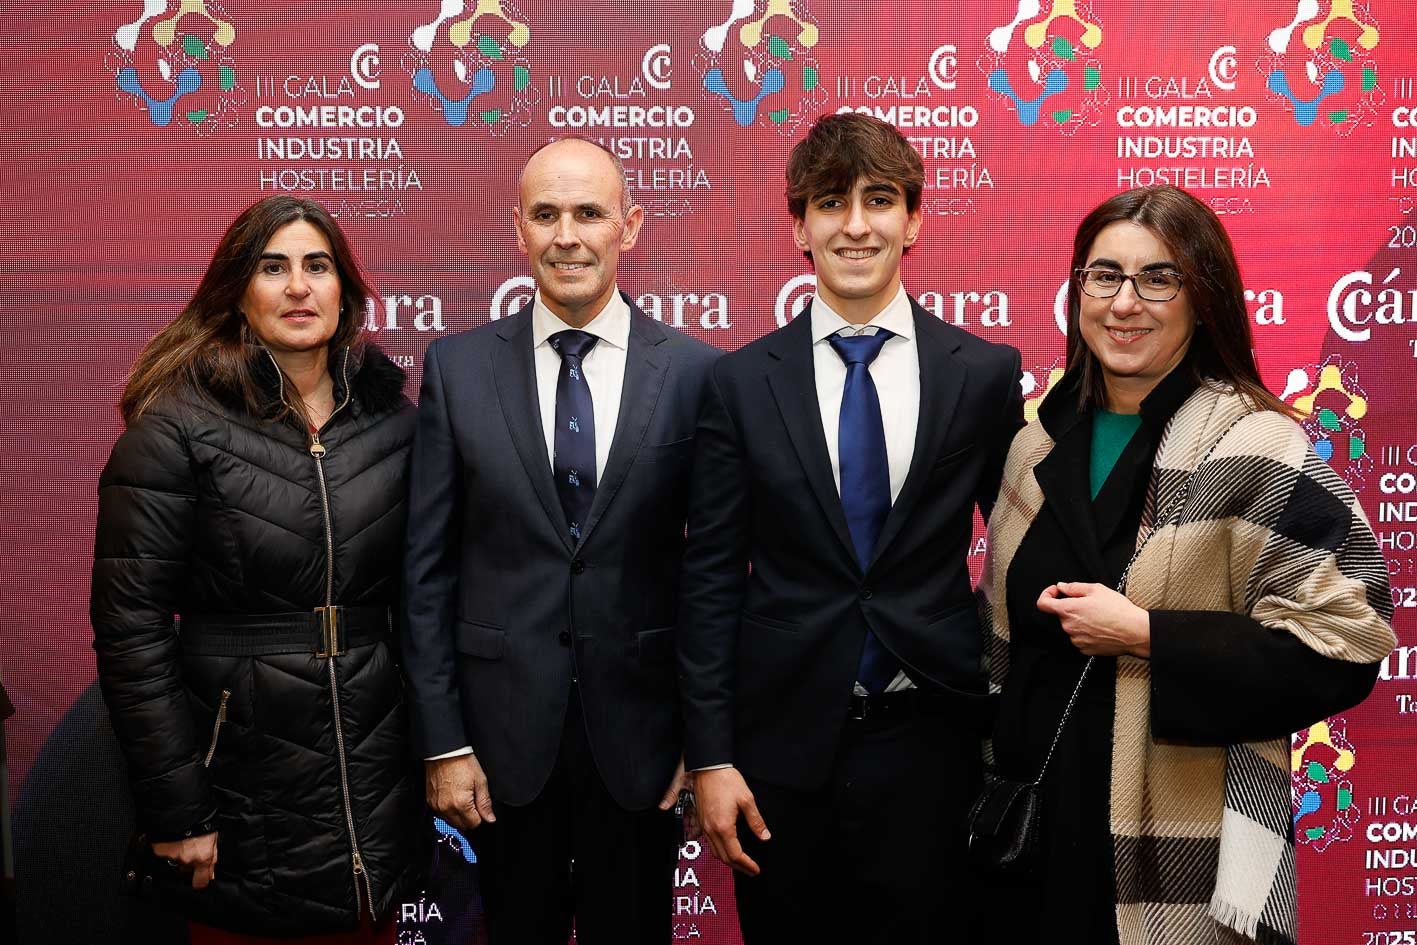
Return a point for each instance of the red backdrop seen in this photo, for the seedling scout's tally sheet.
(132, 142)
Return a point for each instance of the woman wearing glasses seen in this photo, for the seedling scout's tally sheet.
(1257, 604)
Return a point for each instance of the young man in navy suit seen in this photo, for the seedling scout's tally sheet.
(829, 648)
(546, 519)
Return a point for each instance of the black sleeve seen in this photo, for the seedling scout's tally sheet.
(713, 584)
(1219, 678)
(1002, 436)
(435, 516)
(146, 514)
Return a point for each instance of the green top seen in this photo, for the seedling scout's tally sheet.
(1111, 432)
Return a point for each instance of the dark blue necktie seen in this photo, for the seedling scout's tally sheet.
(574, 442)
(865, 478)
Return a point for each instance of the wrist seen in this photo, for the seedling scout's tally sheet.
(1142, 647)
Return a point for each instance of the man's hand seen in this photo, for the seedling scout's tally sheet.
(682, 781)
(195, 855)
(722, 794)
(457, 791)
(1099, 621)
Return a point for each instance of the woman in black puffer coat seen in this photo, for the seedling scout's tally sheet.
(245, 591)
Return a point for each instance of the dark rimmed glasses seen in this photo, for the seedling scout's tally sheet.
(1152, 285)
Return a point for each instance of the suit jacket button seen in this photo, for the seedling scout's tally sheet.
(564, 637)
(577, 566)
(865, 593)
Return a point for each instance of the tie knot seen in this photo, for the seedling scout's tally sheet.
(572, 343)
(860, 349)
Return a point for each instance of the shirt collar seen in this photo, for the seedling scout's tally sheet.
(611, 324)
(896, 318)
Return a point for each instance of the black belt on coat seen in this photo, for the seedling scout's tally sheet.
(324, 631)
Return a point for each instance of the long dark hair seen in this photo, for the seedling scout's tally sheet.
(209, 344)
(1222, 344)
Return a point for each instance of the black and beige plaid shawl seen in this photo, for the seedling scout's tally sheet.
(1202, 835)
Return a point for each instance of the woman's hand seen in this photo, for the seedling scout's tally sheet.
(1098, 620)
(195, 855)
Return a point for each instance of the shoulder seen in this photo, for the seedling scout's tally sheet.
(764, 349)
(685, 348)
(470, 341)
(380, 382)
(971, 347)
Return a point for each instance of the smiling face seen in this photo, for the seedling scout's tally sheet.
(856, 240)
(572, 227)
(1136, 342)
(292, 301)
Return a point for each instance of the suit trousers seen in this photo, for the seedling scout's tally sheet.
(876, 855)
(574, 854)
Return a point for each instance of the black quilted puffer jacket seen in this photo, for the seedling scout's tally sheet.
(219, 535)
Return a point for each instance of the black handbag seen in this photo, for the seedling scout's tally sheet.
(1006, 820)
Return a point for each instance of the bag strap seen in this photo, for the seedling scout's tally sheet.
(1177, 502)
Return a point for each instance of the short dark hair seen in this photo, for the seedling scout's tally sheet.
(841, 149)
(1222, 346)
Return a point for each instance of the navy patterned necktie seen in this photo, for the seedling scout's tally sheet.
(865, 478)
(574, 442)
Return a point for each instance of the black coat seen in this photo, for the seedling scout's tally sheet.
(1255, 682)
(208, 513)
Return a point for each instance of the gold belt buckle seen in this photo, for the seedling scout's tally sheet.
(329, 632)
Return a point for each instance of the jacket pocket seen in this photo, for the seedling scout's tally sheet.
(666, 452)
(216, 727)
(949, 459)
(481, 640)
(656, 646)
(772, 623)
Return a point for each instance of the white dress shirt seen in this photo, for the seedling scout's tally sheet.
(896, 373)
(604, 369)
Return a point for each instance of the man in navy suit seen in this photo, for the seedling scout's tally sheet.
(829, 648)
(546, 524)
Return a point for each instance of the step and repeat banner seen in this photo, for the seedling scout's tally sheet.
(135, 131)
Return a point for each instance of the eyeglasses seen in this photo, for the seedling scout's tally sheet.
(1154, 285)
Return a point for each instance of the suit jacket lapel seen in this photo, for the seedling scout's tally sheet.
(794, 388)
(514, 372)
(646, 368)
(1067, 491)
(942, 378)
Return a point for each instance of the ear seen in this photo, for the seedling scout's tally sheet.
(633, 221)
(799, 234)
(517, 225)
(912, 226)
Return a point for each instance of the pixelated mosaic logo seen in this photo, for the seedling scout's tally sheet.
(174, 62)
(1337, 83)
(471, 67)
(1331, 404)
(1321, 763)
(764, 68)
(1045, 67)
(1037, 384)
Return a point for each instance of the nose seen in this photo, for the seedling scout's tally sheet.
(297, 287)
(565, 236)
(856, 225)
(1126, 302)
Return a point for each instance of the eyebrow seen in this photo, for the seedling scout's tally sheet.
(317, 254)
(544, 205)
(1149, 267)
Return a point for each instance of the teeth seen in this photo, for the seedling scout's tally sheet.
(1128, 333)
(856, 253)
(560, 265)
